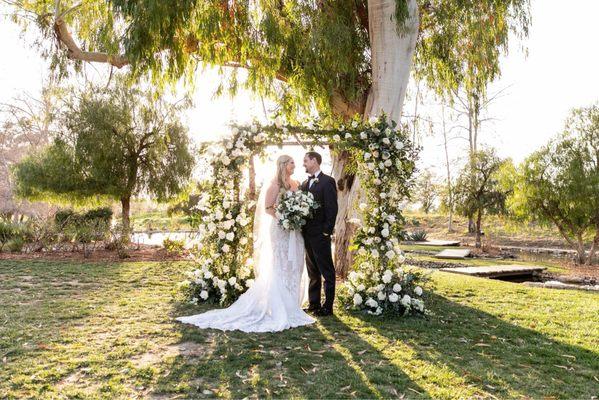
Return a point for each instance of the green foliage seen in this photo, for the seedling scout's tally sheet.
(10, 234)
(173, 246)
(477, 190)
(426, 190)
(419, 235)
(86, 227)
(559, 184)
(317, 49)
(118, 141)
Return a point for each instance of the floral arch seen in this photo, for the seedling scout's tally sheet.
(384, 158)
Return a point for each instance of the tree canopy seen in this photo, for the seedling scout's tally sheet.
(117, 142)
(320, 50)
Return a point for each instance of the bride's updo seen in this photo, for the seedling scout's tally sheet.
(282, 162)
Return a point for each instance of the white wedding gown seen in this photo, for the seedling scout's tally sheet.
(274, 302)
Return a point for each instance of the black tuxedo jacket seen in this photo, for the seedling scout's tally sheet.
(325, 193)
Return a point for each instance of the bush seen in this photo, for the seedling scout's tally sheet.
(419, 236)
(10, 232)
(173, 246)
(16, 245)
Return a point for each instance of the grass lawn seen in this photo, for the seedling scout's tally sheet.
(106, 331)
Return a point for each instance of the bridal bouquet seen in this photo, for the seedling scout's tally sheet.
(295, 208)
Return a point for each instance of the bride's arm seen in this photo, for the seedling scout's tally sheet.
(270, 199)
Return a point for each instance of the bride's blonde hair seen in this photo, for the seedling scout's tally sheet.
(282, 162)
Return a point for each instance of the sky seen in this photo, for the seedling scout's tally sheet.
(559, 71)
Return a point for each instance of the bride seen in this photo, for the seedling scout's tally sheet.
(274, 301)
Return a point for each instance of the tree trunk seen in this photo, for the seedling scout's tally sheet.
(125, 210)
(391, 53)
(580, 249)
(593, 248)
(478, 221)
(449, 188)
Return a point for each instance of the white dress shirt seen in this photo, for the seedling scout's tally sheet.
(315, 177)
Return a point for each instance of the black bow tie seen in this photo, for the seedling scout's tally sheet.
(311, 177)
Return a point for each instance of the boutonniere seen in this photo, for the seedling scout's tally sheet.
(315, 180)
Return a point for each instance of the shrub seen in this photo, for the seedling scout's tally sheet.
(419, 236)
(16, 244)
(173, 246)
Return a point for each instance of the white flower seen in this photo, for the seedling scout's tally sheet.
(221, 235)
(230, 236)
(385, 232)
(354, 124)
(388, 163)
(357, 299)
(232, 281)
(401, 258)
(361, 287)
(381, 296)
(374, 253)
(367, 156)
(390, 254)
(208, 274)
(406, 300)
(336, 138)
(218, 214)
(391, 218)
(386, 141)
(418, 291)
(348, 135)
(398, 145)
(418, 304)
(363, 135)
(377, 182)
(363, 206)
(243, 240)
(371, 303)
(393, 297)
(397, 288)
(204, 294)
(225, 248)
(387, 278)
(226, 160)
(353, 276)
(249, 282)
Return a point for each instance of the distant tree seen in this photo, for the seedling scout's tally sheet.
(27, 123)
(427, 190)
(117, 142)
(559, 184)
(477, 190)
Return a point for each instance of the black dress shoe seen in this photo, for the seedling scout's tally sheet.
(323, 312)
(312, 310)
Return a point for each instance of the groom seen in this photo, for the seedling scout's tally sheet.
(317, 235)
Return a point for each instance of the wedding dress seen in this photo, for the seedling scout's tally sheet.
(274, 301)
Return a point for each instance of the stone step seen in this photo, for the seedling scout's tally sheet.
(496, 271)
(453, 254)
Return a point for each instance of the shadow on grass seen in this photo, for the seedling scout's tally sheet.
(324, 360)
(495, 356)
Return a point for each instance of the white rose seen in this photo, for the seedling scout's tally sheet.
(222, 235)
(386, 141)
(385, 232)
(367, 156)
(387, 278)
(381, 296)
(393, 297)
(243, 240)
(336, 138)
(372, 303)
(232, 281)
(357, 299)
(204, 294)
(398, 145)
(388, 163)
(418, 291)
(348, 135)
(374, 253)
(397, 288)
(361, 287)
(363, 135)
(390, 254)
(208, 275)
(406, 300)
(225, 248)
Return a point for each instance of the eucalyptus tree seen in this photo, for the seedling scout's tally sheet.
(339, 57)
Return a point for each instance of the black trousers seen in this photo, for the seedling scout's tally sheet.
(319, 262)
